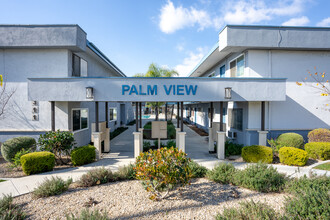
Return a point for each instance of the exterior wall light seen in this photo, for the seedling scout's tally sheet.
(228, 93)
(89, 93)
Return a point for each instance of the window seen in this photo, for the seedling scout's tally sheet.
(237, 67)
(113, 114)
(79, 66)
(212, 74)
(222, 71)
(79, 119)
(236, 118)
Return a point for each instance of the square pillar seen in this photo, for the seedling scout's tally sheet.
(221, 144)
(107, 140)
(141, 139)
(97, 144)
(211, 140)
(177, 137)
(182, 141)
(137, 143)
(263, 138)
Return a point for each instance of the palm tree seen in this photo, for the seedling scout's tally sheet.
(156, 71)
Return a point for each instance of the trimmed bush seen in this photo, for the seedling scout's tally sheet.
(318, 150)
(259, 177)
(10, 147)
(293, 156)
(257, 153)
(233, 149)
(290, 140)
(197, 171)
(319, 135)
(9, 211)
(249, 210)
(96, 176)
(83, 155)
(297, 186)
(222, 173)
(51, 187)
(163, 170)
(38, 162)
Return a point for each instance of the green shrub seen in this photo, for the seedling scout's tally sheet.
(58, 142)
(232, 148)
(170, 143)
(290, 140)
(146, 146)
(297, 186)
(156, 145)
(10, 147)
(319, 135)
(171, 131)
(257, 153)
(51, 187)
(37, 162)
(163, 170)
(222, 173)
(83, 155)
(96, 176)
(293, 156)
(17, 158)
(249, 210)
(308, 204)
(259, 177)
(197, 171)
(9, 211)
(126, 173)
(318, 150)
(89, 215)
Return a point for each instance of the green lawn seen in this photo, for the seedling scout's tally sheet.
(325, 166)
(2, 180)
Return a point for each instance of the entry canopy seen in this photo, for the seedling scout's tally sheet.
(175, 89)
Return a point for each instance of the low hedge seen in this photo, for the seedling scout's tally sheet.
(83, 155)
(38, 162)
(257, 153)
(290, 140)
(293, 156)
(11, 146)
(318, 150)
(319, 135)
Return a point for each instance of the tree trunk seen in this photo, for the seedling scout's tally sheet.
(156, 112)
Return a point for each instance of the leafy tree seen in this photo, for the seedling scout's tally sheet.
(155, 70)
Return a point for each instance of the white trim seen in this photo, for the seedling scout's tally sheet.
(80, 119)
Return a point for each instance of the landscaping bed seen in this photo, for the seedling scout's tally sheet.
(196, 129)
(203, 199)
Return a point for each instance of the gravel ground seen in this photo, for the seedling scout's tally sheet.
(202, 199)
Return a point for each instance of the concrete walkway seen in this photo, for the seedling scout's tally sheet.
(122, 153)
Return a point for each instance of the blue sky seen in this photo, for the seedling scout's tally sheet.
(175, 34)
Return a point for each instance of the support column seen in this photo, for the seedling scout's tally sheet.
(52, 107)
(141, 139)
(97, 117)
(221, 116)
(177, 115)
(166, 111)
(177, 137)
(211, 140)
(137, 144)
(182, 142)
(140, 109)
(181, 117)
(136, 117)
(262, 132)
(107, 130)
(221, 144)
(97, 144)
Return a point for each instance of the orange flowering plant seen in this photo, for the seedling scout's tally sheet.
(163, 170)
(320, 81)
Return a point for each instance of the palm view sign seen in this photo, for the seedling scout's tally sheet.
(154, 89)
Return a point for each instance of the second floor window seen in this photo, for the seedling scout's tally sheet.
(222, 71)
(237, 67)
(79, 66)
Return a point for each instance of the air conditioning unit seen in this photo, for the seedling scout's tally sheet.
(232, 134)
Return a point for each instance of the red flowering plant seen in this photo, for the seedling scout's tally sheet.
(163, 170)
(58, 142)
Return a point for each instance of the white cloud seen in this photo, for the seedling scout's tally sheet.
(234, 12)
(180, 47)
(324, 23)
(296, 21)
(173, 19)
(190, 62)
